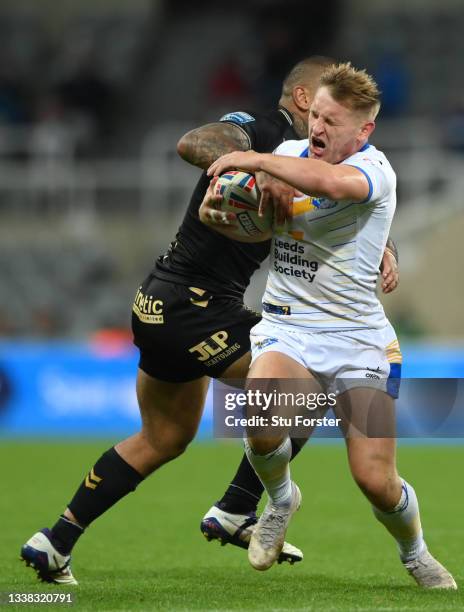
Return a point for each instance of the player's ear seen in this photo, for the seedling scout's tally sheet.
(367, 129)
(301, 98)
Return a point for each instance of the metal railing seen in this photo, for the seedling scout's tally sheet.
(159, 176)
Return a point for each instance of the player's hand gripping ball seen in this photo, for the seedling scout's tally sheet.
(241, 196)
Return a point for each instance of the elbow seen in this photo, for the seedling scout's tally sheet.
(183, 147)
(335, 194)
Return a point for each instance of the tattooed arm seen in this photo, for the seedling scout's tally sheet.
(202, 146)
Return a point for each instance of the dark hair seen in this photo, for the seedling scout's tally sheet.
(306, 72)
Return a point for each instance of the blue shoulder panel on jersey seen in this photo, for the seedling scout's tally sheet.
(371, 188)
(237, 117)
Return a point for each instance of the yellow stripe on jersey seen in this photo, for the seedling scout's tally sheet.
(300, 207)
(296, 234)
(393, 352)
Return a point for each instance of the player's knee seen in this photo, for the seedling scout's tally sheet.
(171, 449)
(380, 486)
(168, 445)
(264, 446)
(175, 447)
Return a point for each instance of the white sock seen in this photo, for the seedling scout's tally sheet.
(274, 471)
(403, 522)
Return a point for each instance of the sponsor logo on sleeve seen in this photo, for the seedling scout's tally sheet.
(237, 117)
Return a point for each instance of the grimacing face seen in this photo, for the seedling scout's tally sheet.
(335, 131)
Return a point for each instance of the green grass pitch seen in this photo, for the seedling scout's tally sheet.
(148, 554)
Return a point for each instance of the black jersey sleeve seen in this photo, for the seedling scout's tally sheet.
(262, 130)
(201, 257)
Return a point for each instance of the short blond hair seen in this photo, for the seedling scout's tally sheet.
(353, 88)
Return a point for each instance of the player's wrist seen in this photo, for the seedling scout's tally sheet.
(392, 252)
(261, 162)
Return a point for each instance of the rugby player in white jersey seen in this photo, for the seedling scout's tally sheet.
(322, 320)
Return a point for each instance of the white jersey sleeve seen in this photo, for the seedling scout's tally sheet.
(290, 147)
(377, 174)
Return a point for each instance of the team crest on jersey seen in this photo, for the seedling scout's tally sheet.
(324, 203)
(260, 344)
(310, 204)
(237, 117)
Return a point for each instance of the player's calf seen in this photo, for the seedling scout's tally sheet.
(403, 522)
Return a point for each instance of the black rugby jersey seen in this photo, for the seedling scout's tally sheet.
(200, 256)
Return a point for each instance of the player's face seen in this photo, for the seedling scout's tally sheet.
(335, 131)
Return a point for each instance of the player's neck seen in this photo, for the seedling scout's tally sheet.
(300, 125)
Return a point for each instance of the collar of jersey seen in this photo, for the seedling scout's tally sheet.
(286, 114)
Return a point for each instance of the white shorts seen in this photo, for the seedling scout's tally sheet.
(340, 360)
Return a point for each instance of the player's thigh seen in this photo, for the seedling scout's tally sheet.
(366, 412)
(281, 378)
(238, 367)
(237, 371)
(170, 410)
(368, 423)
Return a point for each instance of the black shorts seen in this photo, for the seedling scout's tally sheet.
(184, 332)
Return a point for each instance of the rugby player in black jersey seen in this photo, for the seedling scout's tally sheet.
(190, 324)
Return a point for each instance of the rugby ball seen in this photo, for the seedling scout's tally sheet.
(240, 195)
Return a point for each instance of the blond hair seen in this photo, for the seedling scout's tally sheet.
(352, 88)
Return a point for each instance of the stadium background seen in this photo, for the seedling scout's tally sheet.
(93, 97)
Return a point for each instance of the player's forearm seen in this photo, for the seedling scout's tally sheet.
(307, 175)
(229, 233)
(202, 146)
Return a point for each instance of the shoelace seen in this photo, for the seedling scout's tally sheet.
(270, 524)
(63, 569)
(427, 571)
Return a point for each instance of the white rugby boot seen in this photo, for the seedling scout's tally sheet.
(268, 537)
(429, 573)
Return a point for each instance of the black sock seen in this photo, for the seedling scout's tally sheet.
(244, 492)
(110, 479)
(64, 534)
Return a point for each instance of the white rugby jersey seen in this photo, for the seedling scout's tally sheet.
(325, 261)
